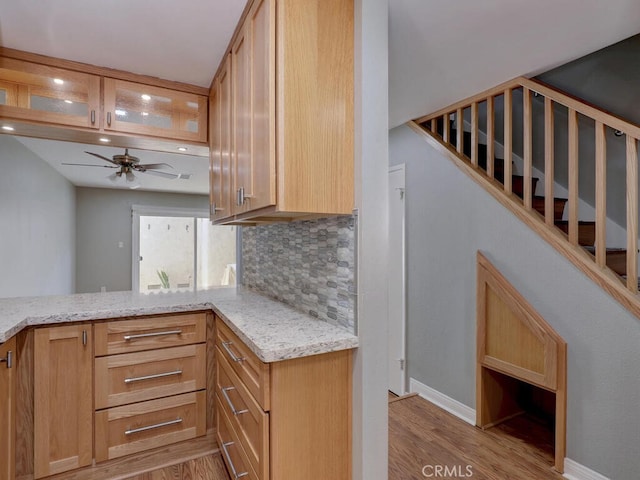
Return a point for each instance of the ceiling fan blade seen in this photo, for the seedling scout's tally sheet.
(89, 165)
(151, 166)
(161, 174)
(101, 157)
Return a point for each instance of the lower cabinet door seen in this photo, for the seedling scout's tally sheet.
(232, 452)
(141, 426)
(7, 409)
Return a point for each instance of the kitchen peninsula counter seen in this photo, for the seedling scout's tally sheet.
(272, 330)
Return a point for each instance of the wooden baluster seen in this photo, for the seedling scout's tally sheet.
(460, 131)
(434, 125)
(474, 134)
(508, 139)
(549, 163)
(601, 195)
(491, 135)
(527, 139)
(573, 176)
(632, 214)
(446, 128)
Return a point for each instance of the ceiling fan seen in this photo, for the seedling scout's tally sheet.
(128, 164)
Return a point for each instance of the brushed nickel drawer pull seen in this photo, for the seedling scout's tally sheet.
(151, 427)
(8, 359)
(151, 377)
(153, 334)
(233, 356)
(231, 406)
(235, 474)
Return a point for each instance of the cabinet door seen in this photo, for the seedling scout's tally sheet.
(220, 143)
(63, 406)
(46, 94)
(7, 410)
(253, 62)
(143, 109)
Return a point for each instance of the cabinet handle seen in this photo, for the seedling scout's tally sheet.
(231, 406)
(8, 360)
(152, 427)
(151, 377)
(153, 334)
(233, 356)
(93, 117)
(235, 474)
(109, 118)
(84, 337)
(215, 209)
(239, 197)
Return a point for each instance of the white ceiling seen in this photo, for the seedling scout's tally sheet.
(443, 51)
(55, 153)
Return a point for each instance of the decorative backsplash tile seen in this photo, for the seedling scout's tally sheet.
(309, 265)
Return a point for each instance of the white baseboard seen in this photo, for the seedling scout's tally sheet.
(575, 471)
(452, 406)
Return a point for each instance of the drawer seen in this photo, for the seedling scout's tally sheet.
(249, 421)
(125, 336)
(232, 452)
(141, 426)
(251, 371)
(135, 377)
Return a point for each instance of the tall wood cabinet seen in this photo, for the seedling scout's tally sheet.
(7, 409)
(63, 399)
(292, 119)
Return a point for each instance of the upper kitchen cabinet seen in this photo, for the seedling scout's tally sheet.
(292, 112)
(45, 94)
(148, 110)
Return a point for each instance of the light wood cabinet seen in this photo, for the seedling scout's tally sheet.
(292, 69)
(7, 409)
(148, 110)
(284, 420)
(63, 399)
(40, 93)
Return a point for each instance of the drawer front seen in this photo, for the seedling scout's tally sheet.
(251, 371)
(125, 336)
(135, 377)
(248, 420)
(232, 452)
(141, 426)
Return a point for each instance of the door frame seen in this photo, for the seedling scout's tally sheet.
(403, 299)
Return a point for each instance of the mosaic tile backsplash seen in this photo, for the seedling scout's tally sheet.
(309, 265)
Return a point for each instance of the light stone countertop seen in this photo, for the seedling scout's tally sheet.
(273, 330)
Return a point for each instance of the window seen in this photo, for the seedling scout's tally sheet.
(179, 250)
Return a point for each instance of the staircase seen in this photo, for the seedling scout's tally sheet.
(582, 241)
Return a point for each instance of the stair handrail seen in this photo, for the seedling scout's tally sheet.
(627, 293)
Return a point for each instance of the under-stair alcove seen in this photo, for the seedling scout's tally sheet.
(521, 379)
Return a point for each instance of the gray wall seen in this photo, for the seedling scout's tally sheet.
(37, 214)
(309, 265)
(103, 220)
(450, 218)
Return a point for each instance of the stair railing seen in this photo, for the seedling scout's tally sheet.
(438, 125)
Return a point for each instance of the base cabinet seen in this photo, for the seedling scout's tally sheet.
(7, 410)
(284, 420)
(63, 399)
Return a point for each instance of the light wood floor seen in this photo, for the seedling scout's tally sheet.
(423, 435)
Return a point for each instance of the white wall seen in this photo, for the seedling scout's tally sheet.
(37, 218)
(450, 218)
(103, 221)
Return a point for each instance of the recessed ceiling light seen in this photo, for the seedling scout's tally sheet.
(104, 140)
(145, 114)
(182, 149)
(68, 101)
(58, 81)
(8, 128)
(121, 113)
(144, 96)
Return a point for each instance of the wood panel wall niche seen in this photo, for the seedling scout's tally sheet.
(517, 343)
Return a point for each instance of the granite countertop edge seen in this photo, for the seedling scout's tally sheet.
(273, 330)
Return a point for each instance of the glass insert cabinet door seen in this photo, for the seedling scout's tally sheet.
(148, 110)
(41, 93)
